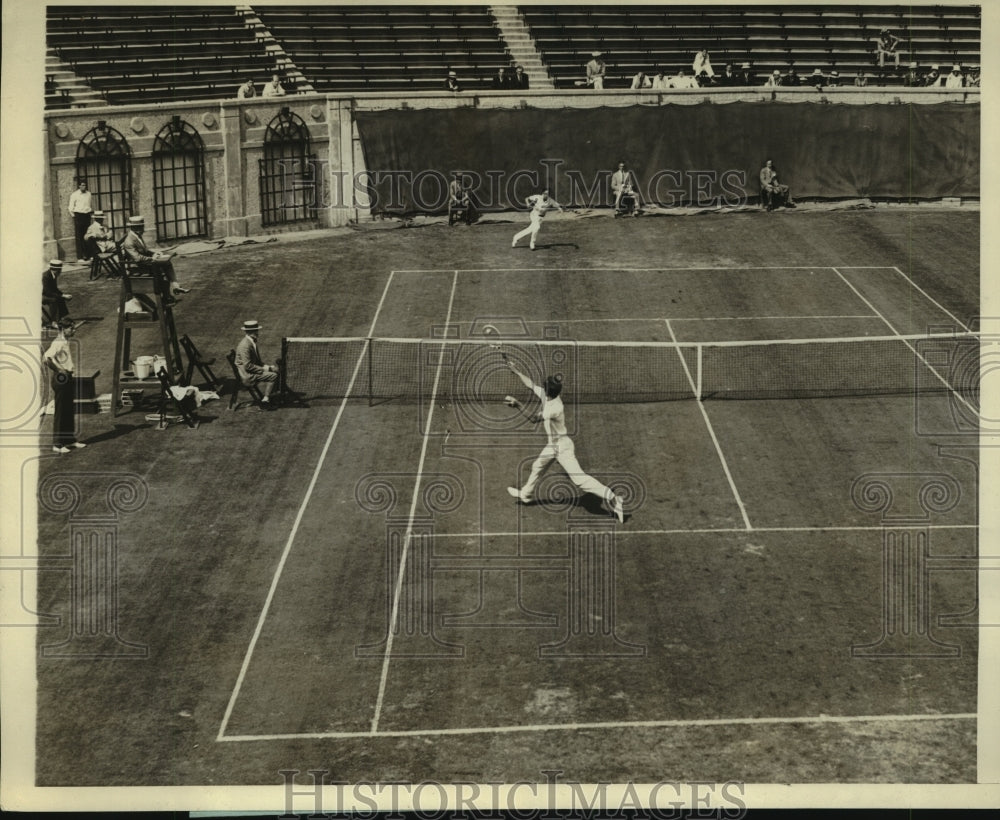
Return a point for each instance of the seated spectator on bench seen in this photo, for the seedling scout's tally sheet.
(745, 76)
(792, 77)
(682, 80)
(251, 366)
(833, 79)
(912, 78)
(98, 239)
(772, 192)
(623, 185)
(660, 81)
(53, 299)
(955, 79)
(972, 78)
(702, 64)
(451, 82)
(728, 77)
(773, 80)
(816, 79)
(500, 80)
(246, 91)
(519, 79)
(861, 81)
(932, 77)
(886, 45)
(273, 88)
(641, 80)
(596, 69)
(149, 263)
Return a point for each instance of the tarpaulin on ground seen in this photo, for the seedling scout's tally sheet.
(703, 155)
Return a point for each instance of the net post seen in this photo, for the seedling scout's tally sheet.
(370, 342)
(699, 350)
(282, 370)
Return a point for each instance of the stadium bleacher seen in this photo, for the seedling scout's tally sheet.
(151, 54)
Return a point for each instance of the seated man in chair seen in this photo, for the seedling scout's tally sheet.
(251, 367)
(148, 263)
(460, 205)
(624, 189)
(772, 192)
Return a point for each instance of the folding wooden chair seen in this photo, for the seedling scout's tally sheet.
(185, 407)
(109, 263)
(196, 360)
(255, 394)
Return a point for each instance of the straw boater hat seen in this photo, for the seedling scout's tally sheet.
(595, 54)
(776, 72)
(956, 68)
(136, 222)
(98, 214)
(452, 74)
(251, 326)
(817, 71)
(55, 264)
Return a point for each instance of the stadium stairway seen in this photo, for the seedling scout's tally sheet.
(521, 45)
(283, 64)
(64, 88)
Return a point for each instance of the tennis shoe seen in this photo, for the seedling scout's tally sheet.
(60, 450)
(79, 445)
(618, 508)
(516, 493)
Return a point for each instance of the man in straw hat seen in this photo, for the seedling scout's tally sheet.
(451, 82)
(955, 79)
(53, 299)
(149, 263)
(98, 238)
(251, 366)
(596, 70)
(59, 359)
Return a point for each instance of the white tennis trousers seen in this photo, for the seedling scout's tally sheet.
(533, 228)
(565, 453)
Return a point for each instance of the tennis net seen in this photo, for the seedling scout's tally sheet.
(473, 370)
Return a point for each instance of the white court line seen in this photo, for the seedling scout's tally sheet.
(889, 325)
(409, 526)
(634, 724)
(933, 301)
(658, 319)
(711, 430)
(295, 527)
(711, 531)
(616, 269)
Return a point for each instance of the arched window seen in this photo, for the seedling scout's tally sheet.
(104, 159)
(179, 182)
(287, 172)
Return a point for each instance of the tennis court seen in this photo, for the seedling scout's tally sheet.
(384, 605)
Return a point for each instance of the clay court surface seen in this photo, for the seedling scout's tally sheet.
(346, 585)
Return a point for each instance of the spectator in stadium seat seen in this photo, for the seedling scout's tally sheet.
(519, 79)
(80, 210)
(682, 80)
(728, 77)
(955, 79)
(745, 76)
(792, 78)
(912, 77)
(53, 299)
(933, 77)
(660, 81)
(833, 79)
(771, 190)
(246, 91)
(641, 80)
(500, 80)
(251, 366)
(702, 64)
(148, 263)
(98, 238)
(596, 69)
(861, 81)
(972, 78)
(886, 44)
(773, 80)
(816, 79)
(274, 88)
(451, 82)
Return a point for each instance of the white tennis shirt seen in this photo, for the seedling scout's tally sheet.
(553, 416)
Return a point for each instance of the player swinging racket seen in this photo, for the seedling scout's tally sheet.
(559, 446)
(539, 204)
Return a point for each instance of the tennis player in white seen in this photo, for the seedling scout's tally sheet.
(538, 204)
(559, 447)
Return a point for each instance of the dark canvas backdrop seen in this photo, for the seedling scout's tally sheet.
(681, 154)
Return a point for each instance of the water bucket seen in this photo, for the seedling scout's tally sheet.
(143, 365)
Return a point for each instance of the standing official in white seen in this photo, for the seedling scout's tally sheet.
(538, 205)
(559, 447)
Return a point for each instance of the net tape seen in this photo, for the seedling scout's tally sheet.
(473, 370)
